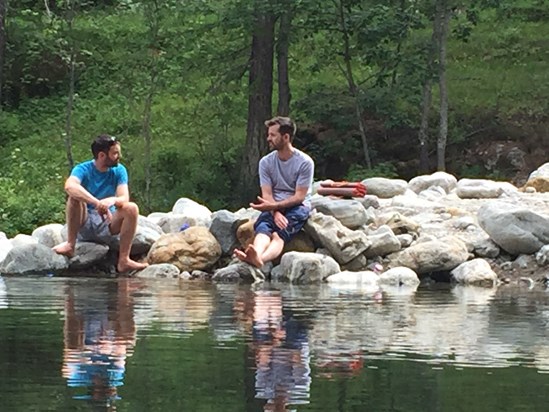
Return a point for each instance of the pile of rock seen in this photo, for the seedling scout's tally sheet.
(468, 231)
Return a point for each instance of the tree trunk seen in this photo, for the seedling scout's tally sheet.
(283, 45)
(426, 97)
(352, 85)
(3, 9)
(444, 11)
(70, 99)
(259, 101)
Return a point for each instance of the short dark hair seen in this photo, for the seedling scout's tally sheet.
(103, 143)
(285, 125)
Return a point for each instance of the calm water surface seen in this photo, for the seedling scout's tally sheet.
(163, 345)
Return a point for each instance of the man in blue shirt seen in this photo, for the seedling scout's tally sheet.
(98, 205)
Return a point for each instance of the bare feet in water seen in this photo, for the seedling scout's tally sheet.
(129, 265)
(65, 249)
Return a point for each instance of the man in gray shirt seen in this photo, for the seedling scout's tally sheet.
(285, 177)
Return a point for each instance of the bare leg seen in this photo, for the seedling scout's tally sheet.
(274, 249)
(255, 251)
(76, 215)
(124, 221)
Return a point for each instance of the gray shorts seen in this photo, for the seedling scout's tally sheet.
(96, 229)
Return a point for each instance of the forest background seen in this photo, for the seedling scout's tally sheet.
(388, 88)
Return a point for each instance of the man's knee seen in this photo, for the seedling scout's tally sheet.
(129, 209)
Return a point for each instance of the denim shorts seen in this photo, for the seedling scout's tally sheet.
(297, 216)
(96, 229)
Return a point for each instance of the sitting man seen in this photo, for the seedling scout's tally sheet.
(98, 205)
(285, 177)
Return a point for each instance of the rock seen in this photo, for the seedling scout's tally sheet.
(405, 240)
(21, 240)
(301, 242)
(343, 243)
(147, 233)
(399, 224)
(224, 226)
(49, 235)
(161, 270)
(349, 212)
(366, 277)
(432, 256)
(542, 256)
(384, 241)
(444, 180)
(515, 230)
(87, 254)
(474, 272)
(239, 272)
(32, 258)
(194, 248)
(385, 188)
(369, 201)
(5, 247)
(432, 194)
(399, 276)
(538, 184)
(483, 189)
(191, 209)
(174, 222)
(297, 267)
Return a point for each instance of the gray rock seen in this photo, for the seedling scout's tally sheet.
(444, 180)
(49, 235)
(298, 267)
(542, 256)
(366, 277)
(32, 258)
(369, 201)
(192, 209)
(474, 272)
(385, 188)
(349, 212)
(223, 227)
(483, 189)
(87, 254)
(343, 243)
(399, 276)
(515, 230)
(162, 270)
(239, 272)
(384, 241)
(21, 240)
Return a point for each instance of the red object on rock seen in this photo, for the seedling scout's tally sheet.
(342, 189)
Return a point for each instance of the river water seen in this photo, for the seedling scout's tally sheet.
(169, 345)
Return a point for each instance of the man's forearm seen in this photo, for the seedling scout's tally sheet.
(81, 194)
(289, 202)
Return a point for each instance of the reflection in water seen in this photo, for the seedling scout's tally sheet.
(280, 348)
(99, 334)
(3, 299)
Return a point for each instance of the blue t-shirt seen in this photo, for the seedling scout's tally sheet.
(100, 184)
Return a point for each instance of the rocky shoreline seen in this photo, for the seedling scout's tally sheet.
(432, 228)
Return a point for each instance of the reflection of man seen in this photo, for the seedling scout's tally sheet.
(281, 353)
(99, 334)
(285, 177)
(99, 204)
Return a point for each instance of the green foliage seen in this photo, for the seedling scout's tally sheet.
(357, 172)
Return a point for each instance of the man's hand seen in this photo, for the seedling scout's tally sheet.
(264, 205)
(280, 220)
(103, 208)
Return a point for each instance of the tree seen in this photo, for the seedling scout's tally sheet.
(443, 13)
(3, 8)
(260, 91)
(282, 51)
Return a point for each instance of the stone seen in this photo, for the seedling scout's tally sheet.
(32, 259)
(399, 276)
(385, 188)
(194, 248)
(349, 212)
(297, 267)
(240, 271)
(224, 226)
(474, 272)
(445, 180)
(384, 242)
(87, 254)
(191, 209)
(49, 235)
(161, 270)
(483, 189)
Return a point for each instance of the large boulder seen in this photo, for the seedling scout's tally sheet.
(49, 235)
(539, 179)
(475, 272)
(297, 267)
(384, 241)
(432, 256)
(343, 243)
(239, 271)
(385, 188)
(349, 212)
(191, 209)
(483, 189)
(32, 258)
(516, 230)
(194, 248)
(399, 276)
(442, 179)
(224, 226)
(88, 254)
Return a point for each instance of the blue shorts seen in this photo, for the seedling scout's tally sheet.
(297, 216)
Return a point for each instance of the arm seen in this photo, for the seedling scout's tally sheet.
(267, 203)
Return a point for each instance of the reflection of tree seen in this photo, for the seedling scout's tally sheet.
(99, 334)
(280, 349)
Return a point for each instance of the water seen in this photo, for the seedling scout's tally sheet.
(167, 345)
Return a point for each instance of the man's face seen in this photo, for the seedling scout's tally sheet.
(113, 155)
(275, 140)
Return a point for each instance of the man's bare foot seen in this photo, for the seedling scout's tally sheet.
(129, 265)
(65, 249)
(240, 255)
(252, 257)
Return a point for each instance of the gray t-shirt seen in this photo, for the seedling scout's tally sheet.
(284, 176)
